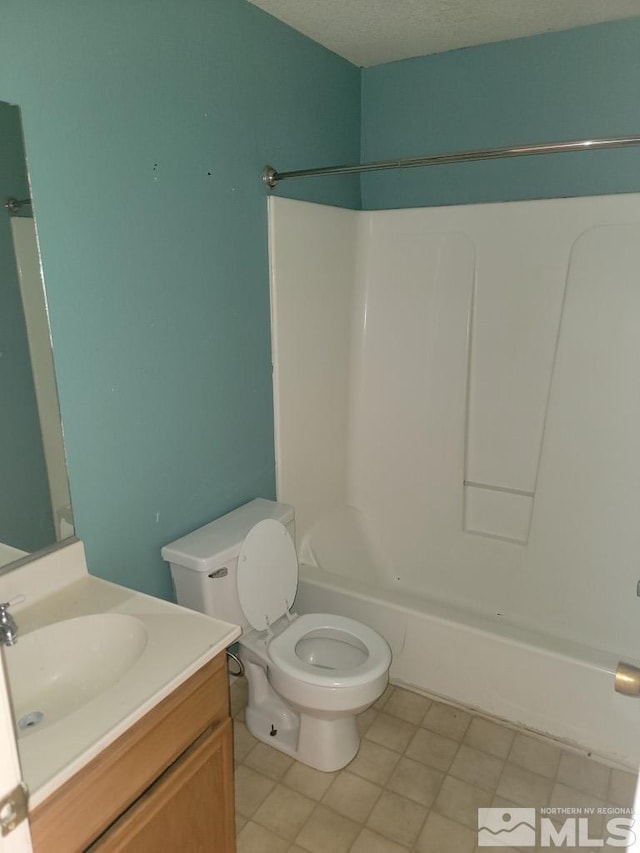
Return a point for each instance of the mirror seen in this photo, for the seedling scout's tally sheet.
(35, 507)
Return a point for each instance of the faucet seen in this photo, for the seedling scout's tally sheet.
(8, 627)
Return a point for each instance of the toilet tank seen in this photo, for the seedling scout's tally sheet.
(204, 563)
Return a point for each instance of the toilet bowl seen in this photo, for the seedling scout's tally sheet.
(329, 662)
(308, 675)
(323, 668)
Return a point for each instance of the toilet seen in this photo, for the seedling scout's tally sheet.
(308, 675)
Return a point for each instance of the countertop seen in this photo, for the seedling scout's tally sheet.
(179, 642)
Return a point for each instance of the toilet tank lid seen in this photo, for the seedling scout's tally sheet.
(210, 547)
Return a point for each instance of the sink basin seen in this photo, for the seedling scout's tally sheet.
(57, 669)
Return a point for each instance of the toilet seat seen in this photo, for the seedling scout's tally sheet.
(282, 651)
(267, 577)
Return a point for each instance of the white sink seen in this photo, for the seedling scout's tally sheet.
(57, 669)
(93, 658)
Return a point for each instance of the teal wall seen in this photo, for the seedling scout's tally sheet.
(26, 520)
(569, 85)
(147, 125)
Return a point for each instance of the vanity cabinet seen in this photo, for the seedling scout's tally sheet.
(165, 784)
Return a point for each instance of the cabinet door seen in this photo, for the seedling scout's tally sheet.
(190, 808)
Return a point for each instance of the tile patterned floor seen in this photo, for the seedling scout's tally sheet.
(423, 770)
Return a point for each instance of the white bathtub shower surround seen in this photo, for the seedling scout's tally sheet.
(458, 426)
(312, 292)
(8, 554)
(457, 403)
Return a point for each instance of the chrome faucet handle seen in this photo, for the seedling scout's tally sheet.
(17, 599)
(8, 627)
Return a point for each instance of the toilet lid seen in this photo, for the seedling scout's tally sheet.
(267, 573)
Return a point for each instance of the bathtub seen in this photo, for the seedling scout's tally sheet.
(546, 684)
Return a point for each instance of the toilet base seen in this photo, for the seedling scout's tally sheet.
(325, 744)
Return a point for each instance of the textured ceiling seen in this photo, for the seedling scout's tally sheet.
(369, 32)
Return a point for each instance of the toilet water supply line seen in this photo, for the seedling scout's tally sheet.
(232, 656)
(271, 177)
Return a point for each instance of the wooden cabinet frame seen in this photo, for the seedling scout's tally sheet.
(183, 732)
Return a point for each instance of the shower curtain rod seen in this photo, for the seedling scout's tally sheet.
(271, 177)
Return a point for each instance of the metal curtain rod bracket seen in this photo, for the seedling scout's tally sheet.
(13, 205)
(271, 177)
